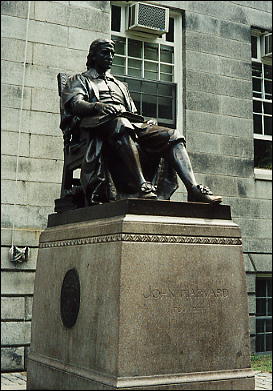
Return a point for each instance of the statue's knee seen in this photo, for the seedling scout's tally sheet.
(121, 133)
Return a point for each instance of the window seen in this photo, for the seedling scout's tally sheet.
(263, 314)
(262, 98)
(147, 63)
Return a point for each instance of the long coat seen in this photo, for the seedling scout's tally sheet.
(96, 179)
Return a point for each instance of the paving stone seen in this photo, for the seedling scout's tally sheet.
(17, 381)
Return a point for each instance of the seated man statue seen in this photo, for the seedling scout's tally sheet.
(124, 154)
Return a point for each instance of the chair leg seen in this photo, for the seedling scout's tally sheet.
(66, 180)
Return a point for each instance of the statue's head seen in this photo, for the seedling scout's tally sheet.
(101, 53)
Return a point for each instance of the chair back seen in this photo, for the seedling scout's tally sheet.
(62, 79)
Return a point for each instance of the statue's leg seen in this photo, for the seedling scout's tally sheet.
(123, 144)
(180, 160)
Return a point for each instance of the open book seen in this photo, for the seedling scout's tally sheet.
(97, 120)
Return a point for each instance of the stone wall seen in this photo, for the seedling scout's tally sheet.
(50, 37)
(219, 124)
(37, 43)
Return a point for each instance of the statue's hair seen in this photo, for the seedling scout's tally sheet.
(95, 45)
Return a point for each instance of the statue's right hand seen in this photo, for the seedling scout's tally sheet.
(104, 108)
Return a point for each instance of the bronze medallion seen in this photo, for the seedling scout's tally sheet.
(70, 298)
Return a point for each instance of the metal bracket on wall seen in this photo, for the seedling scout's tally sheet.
(19, 255)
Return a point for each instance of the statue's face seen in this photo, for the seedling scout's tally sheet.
(103, 58)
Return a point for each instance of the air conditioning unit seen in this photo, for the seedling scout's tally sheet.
(149, 18)
(267, 46)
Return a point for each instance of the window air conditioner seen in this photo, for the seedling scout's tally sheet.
(148, 18)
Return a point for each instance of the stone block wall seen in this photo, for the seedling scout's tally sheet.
(219, 123)
(41, 39)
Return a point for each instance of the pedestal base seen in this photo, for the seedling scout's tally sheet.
(141, 301)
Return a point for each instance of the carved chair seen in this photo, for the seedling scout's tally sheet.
(71, 194)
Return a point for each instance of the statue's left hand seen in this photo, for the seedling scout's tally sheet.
(152, 121)
(104, 108)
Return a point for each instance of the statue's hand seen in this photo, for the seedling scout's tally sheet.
(152, 121)
(104, 108)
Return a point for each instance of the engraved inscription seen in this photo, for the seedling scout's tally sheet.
(186, 299)
(159, 293)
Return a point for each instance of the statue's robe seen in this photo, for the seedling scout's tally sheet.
(103, 175)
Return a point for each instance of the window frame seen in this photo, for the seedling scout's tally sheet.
(264, 318)
(260, 34)
(150, 38)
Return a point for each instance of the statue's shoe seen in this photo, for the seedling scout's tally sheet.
(200, 193)
(147, 191)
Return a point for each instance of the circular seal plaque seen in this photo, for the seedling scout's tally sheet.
(70, 298)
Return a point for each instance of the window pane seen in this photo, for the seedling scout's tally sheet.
(269, 343)
(118, 70)
(119, 44)
(134, 72)
(260, 343)
(166, 54)
(134, 85)
(135, 64)
(267, 108)
(269, 287)
(260, 307)
(260, 287)
(150, 51)
(115, 18)
(165, 90)
(263, 154)
(166, 68)
(149, 106)
(149, 75)
(260, 325)
(134, 48)
(257, 84)
(170, 34)
(257, 94)
(257, 69)
(151, 66)
(165, 108)
(268, 325)
(119, 61)
(149, 88)
(268, 126)
(268, 72)
(136, 98)
(257, 106)
(268, 89)
(269, 307)
(166, 77)
(257, 123)
(268, 43)
(151, 97)
(253, 47)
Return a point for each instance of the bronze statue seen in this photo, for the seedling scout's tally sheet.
(124, 155)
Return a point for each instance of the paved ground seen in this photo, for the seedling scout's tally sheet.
(263, 381)
(13, 381)
(17, 381)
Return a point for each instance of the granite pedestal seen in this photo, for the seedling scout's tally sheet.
(158, 300)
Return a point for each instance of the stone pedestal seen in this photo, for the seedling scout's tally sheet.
(140, 294)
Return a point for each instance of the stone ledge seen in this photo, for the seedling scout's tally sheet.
(144, 238)
(141, 207)
(116, 382)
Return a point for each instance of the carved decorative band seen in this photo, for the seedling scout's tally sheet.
(144, 238)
